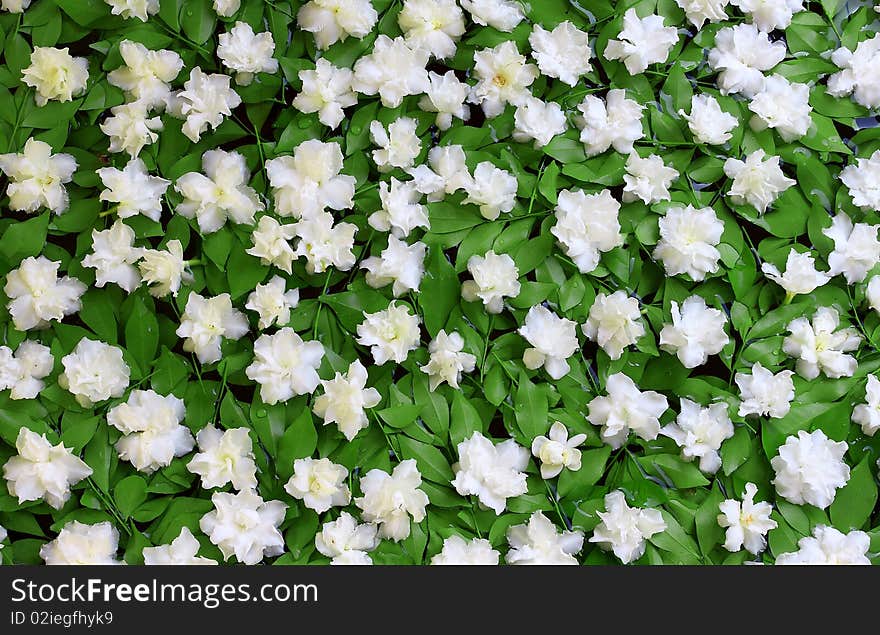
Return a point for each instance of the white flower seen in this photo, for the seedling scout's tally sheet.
(800, 274)
(81, 544)
(273, 302)
(432, 25)
(271, 244)
(226, 8)
(856, 248)
(130, 129)
(24, 371)
(164, 269)
(246, 53)
(538, 542)
(399, 145)
(447, 361)
(867, 414)
(707, 122)
(203, 102)
(245, 525)
(617, 122)
(586, 226)
(809, 468)
(390, 499)
(756, 182)
(332, 21)
(445, 95)
(647, 179)
(783, 106)
(862, 181)
(503, 77)
(643, 41)
(347, 542)
(614, 323)
(206, 321)
(392, 70)
(495, 277)
(324, 244)
(146, 75)
(764, 394)
(391, 333)
(688, 241)
(401, 211)
(503, 15)
(224, 457)
(151, 425)
(36, 294)
(558, 451)
(820, 347)
(553, 341)
(37, 177)
(747, 523)
(55, 74)
(113, 256)
(563, 53)
(492, 189)
(345, 398)
(857, 75)
(183, 550)
(15, 6)
(41, 470)
(872, 293)
(140, 9)
(696, 332)
(741, 54)
(326, 91)
(626, 408)
(319, 484)
(624, 529)
(285, 366)
(538, 120)
(93, 372)
(3, 535)
(768, 15)
(828, 545)
(698, 11)
(310, 181)
(133, 190)
(699, 432)
(447, 174)
(458, 551)
(399, 263)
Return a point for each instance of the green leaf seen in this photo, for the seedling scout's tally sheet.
(854, 503)
(593, 462)
(198, 19)
(142, 332)
(400, 416)
(531, 408)
(299, 440)
(709, 532)
(465, 419)
(129, 494)
(24, 238)
(440, 284)
(431, 462)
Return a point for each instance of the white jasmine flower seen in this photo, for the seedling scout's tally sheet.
(563, 53)
(147, 75)
(55, 74)
(226, 8)
(856, 248)
(492, 473)
(326, 91)
(285, 366)
(503, 77)
(553, 340)
(492, 189)
(872, 293)
(271, 244)
(624, 529)
(503, 15)
(133, 190)
(861, 180)
(800, 274)
(538, 120)
(41, 470)
(399, 145)
(699, 11)
(246, 53)
(828, 545)
(495, 277)
(538, 542)
(401, 211)
(245, 525)
(783, 106)
(273, 302)
(707, 122)
(558, 451)
(458, 551)
(742, 53)
(183, 550)
(647, 179)
(130, 129)
(756, 182)
(140, 9)
(3, 536)
(392, 70)
(820, 346)
(36, 294)
(37, 177)
(688, 241)
(390, 499)
(224, 457)
(332, 21)
(586, 226)
(345, 398)
(447, 361)
(699, 432)
(93, 372)
(113, 256)
(432, 25)
(203, 102)
(347, 542)
(626, 408)
(310, 181)
(166, 270)
(14, 6)
(447, 174)
(643, 41)
(696, 332)
(445, 95)
(768, 15)
(319, 484)
(391, 333)
(857, 76)
(747, 523)
(23, 372)
(764, 394)
(399, 263)
(617, 122)
(810, 468)
(206, 321)
(324, 244)
(614, 322)
(867, 414)
(81, 544)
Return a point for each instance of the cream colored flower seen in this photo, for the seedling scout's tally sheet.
(55, 74)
